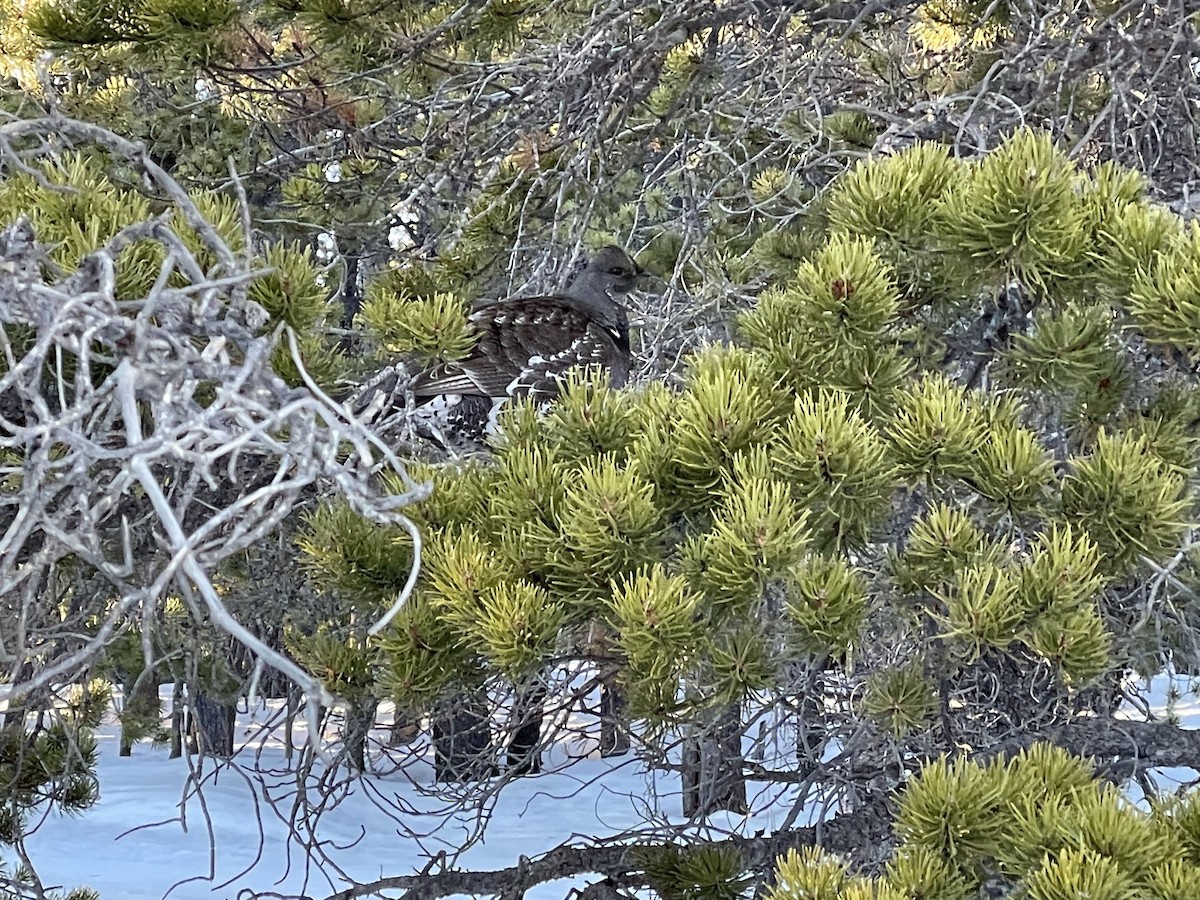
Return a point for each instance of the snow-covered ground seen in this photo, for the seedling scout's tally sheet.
(151, 836)
(132, 845)
(117, 849)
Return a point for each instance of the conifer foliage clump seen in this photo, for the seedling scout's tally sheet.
(899, 500)
(900, 537)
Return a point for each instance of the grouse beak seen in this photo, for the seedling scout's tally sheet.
(647, 280)
(640, 275)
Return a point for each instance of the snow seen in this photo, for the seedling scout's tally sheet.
(149, 837)
(1168, 697)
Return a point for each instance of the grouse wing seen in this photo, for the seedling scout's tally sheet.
(525, 346)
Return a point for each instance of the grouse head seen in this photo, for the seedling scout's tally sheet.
(606, 280)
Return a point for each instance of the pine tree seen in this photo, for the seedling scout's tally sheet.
(926, 489)
(726, 532)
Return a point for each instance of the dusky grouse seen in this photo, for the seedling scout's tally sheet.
(526, 347)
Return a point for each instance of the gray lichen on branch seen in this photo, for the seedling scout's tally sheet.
(149, 437)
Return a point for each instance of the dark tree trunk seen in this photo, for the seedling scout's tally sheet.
(525, 747)
(177, 720)
(614, 728)
(351, 296)
(462, 739)
(359, 720)
(811, 732)
(141, 713)
(289, 721)
(713, 777)
(405, 729)
(213, 722)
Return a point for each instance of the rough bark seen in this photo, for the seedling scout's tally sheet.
(289, 722)
(614, 728)
(713, 769)
(213, 724)
(177, 720)
(1119, 748)
(524, 748)
(462, 739)
(359, 721)
(868, 826)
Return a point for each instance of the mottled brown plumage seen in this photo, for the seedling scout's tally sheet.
(526, 347)
(527, 344)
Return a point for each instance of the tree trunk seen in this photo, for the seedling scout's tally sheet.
(177, 720)
(351, 290)
(524, 748)
(462, 739)
(213, 722)
(811, 732)
(405, 729)
(614, 728)
(289, 721)
(359, 720)
(599, 643)
(713, 776)
(140, 715)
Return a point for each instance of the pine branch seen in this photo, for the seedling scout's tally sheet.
(1119, 748)
(848, 833)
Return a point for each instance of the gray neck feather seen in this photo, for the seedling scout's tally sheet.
(596, 291)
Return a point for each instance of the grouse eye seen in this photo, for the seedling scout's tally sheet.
(617, 270)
